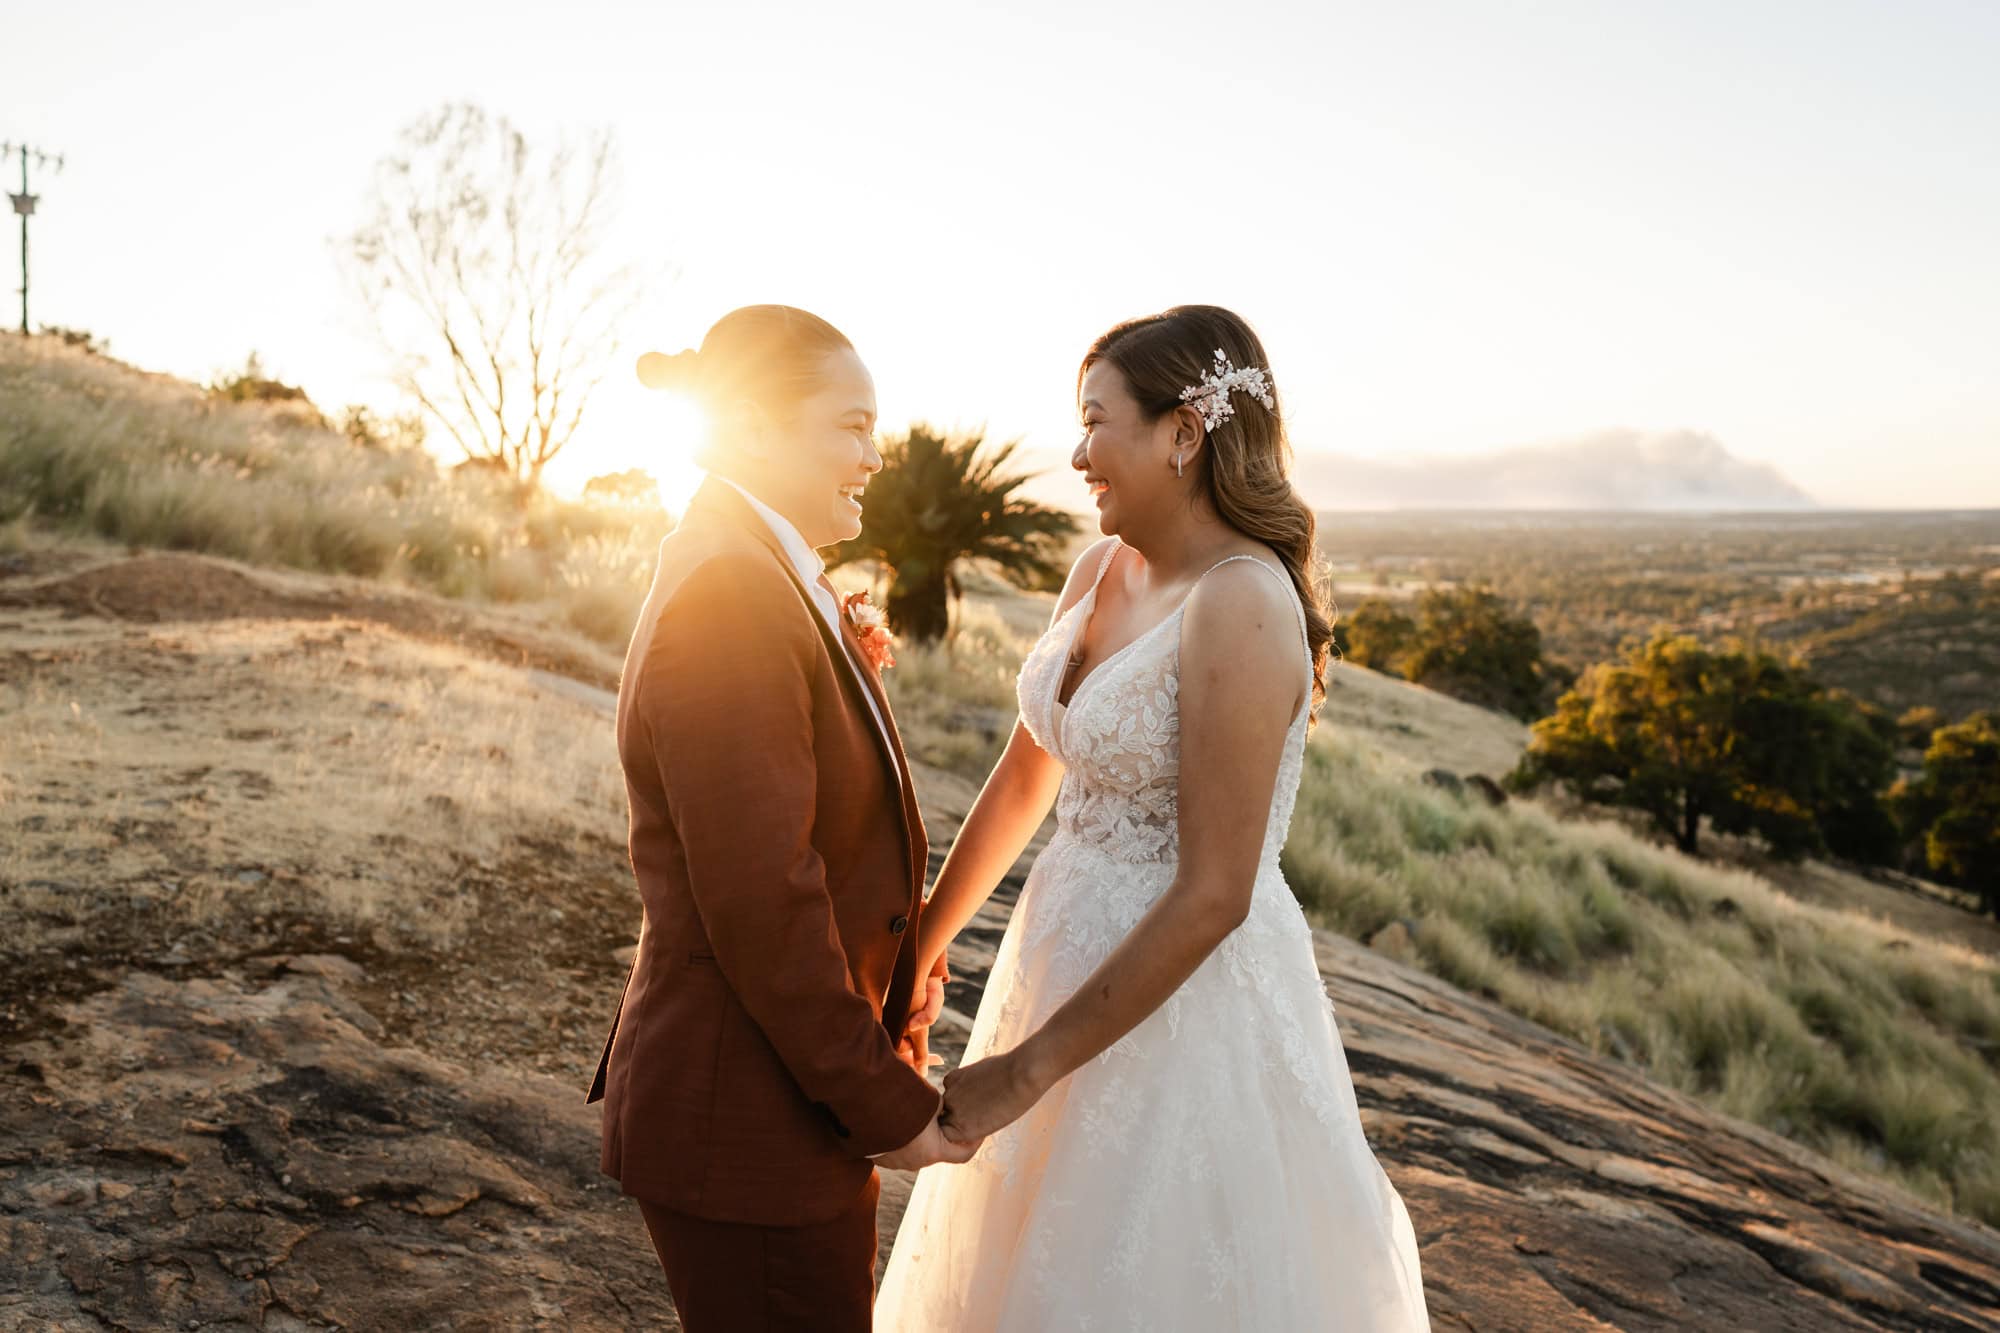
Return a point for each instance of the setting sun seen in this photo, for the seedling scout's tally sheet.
(630, 426)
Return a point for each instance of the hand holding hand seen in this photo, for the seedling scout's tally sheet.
(927, 1149)
(926, 1014)
(914, 1050)
(986, 1096)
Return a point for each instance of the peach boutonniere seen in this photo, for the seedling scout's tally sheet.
(871, 630)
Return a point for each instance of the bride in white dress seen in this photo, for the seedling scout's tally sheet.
(1170, 1133)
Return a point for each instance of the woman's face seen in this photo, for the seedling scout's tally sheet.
(1127, 461)
(820, 460)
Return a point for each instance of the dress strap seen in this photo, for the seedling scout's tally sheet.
(1104, 565)
(1298, 607)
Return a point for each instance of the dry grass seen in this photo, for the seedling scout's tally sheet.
(345, 772)
(1875, 1045)
(93, 447)
(1419, 728)
(955, 702)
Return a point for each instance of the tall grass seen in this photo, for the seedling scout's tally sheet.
(1878, 1048)
(90, 445)
(954, 700)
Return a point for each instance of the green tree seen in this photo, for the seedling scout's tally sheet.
(939, 501)
(1855, 818)
(1953, 806)
(1754, 745)
(1376, 634)
(1472, 646)
(1465, 642)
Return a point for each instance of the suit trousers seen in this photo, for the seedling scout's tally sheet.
(731, 1277)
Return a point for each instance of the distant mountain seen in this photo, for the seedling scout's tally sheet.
(1607, 469)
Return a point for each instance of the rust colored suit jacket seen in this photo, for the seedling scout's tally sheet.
(751, 1067)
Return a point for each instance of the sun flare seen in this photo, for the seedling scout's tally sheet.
(629, 426)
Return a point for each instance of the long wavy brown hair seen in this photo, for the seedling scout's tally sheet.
(1245, 472)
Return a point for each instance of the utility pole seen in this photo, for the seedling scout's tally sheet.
(24, 205)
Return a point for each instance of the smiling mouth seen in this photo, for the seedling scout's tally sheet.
(852, 494)
(1098, 486)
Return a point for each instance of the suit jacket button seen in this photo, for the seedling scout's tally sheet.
(899, 925)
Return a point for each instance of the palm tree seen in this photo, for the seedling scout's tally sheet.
(938, 501)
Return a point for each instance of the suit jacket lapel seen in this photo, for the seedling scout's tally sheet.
(871, 680)
(722, 502)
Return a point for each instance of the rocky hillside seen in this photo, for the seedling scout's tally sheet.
(314, 908)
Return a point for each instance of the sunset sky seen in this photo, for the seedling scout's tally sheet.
(1458, 226)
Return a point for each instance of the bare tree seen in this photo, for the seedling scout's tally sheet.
(481, 271)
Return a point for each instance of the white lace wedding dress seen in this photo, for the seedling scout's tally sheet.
(1208, 1171)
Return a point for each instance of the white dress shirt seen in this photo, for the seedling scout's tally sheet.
(810, 567)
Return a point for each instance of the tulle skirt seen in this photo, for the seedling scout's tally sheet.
(1207, 1172)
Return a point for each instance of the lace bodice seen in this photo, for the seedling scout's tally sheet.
(1119, 738)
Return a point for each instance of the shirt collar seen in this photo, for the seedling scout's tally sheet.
(804, 559)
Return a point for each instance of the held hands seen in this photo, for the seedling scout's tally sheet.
(914, 1049)
(985, 1096)
(928, 1149)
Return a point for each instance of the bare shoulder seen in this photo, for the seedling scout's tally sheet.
(1238, 595)
(1083, 573)
(1240, 624)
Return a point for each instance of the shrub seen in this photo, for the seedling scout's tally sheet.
(1465, 642)
(1952, 808)
(1738, 739)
